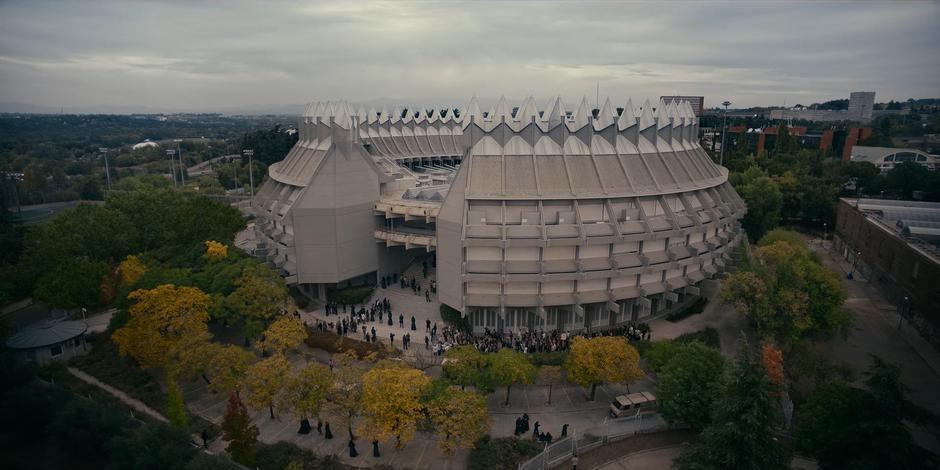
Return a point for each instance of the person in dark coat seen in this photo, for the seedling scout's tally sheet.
(205, 439)
(564, 430)
(525, 422)
(401, 320)
(320, 427)
(518, 427)
(375, 449)
(427, 325)
(390, 319)
(391, 337)
(328, 434)
(304, 427)
(352, 449)
(535, 430)
(413, 327)
(548, 437)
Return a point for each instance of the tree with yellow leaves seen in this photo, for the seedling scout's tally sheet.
(306, 390)
(266, 383)
(287, 332)
(602, 359)
(130, 270)
(216, 251)
(165, 322)
(460, 418)
(227, 367)
(508, 367)
(391, 403)
(464, 365)
(344, 396)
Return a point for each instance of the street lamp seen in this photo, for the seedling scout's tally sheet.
(169, 155)
(724, 121)
(179, 152)
(107, 168)
(854, 264)
(251, 177)
(901, 308)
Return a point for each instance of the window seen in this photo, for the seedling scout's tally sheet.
(56, 350)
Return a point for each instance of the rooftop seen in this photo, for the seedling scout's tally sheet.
(46, 333)
(917, 222)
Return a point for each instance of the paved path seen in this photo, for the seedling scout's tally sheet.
(653, 459)
(131, 402)
(875, 331)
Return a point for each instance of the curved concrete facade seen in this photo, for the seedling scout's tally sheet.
(539, 219)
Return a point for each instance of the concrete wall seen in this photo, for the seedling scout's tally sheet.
(334, 221)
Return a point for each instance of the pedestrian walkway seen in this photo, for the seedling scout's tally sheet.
(135, 404)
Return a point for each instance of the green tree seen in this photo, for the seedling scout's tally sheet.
(260, 296)
(508, 367)
(742, 432)
(689, 384)
(72, 284)
(175, 409)
(848, 427)
(465, 365)
(764, 202)
(166, 447)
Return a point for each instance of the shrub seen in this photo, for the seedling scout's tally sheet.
(553, 358)
(351, 295)
(697, 307)
(332, 343)
(501, 453)
(708, 336)
(282, 454)
(453, 317)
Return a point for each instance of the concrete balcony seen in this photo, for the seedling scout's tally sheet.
(408, 209)
(407, 239)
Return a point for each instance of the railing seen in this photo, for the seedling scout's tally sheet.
(611, 431)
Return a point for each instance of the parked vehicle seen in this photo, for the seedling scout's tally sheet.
(625, 405)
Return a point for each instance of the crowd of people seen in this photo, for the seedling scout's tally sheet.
(526, 342)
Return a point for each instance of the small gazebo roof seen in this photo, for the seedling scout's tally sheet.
(47, 333)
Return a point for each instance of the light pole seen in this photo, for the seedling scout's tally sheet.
(169, 156)
(179, 152)
(724, 121)
(901, 308)
(854, 264)
(251, 177)
(107, 168)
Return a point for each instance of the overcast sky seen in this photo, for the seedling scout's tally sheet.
(209, 55)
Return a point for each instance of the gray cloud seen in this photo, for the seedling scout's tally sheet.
(220, 55)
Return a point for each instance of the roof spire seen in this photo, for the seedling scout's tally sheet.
(628, 117)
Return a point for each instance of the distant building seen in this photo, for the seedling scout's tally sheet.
(896, 244)
(697, 102)
(885, 157)
(839, 141)
(861, 104)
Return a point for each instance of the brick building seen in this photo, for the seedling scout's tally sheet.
(897, 245)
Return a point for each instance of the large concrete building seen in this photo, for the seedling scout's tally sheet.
(536, 219)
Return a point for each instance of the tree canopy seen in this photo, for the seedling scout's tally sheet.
(689, 384)
(611, 359)
(742, 434)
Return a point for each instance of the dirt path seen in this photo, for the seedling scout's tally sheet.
(131, 402)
